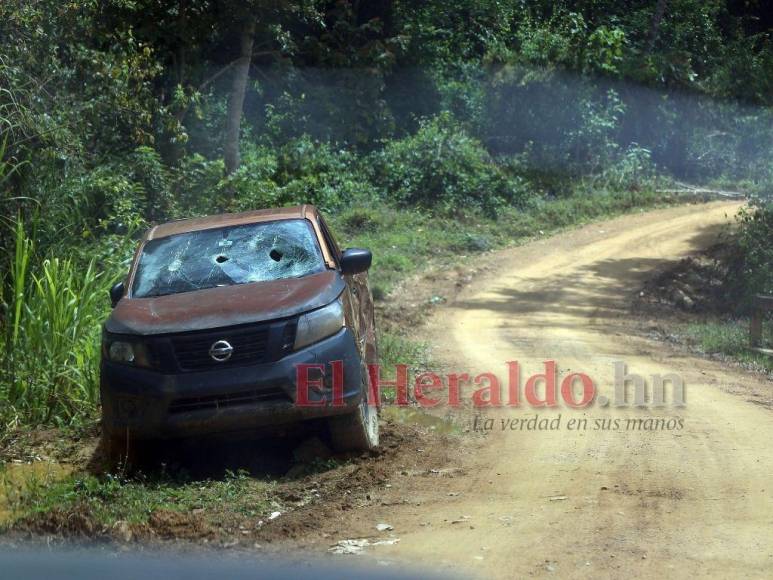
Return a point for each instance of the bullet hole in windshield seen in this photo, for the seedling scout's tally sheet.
(256, 253)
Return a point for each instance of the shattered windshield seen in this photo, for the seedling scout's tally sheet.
(224, 256)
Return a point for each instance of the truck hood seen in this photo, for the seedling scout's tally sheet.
(224, 306)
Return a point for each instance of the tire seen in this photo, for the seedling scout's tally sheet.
(357, 431)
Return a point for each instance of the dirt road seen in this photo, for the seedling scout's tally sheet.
(695, 501)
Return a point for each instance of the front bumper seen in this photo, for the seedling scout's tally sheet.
(150, 404)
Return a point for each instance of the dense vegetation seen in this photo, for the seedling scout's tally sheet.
(118, 113)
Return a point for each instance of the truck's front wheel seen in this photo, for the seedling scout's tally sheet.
(357, 431)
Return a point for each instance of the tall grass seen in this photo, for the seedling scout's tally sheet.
(50, 344)
(21, 258)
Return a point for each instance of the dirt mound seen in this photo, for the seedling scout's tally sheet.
(79, 522)
(694, 284)
(168, 524)
(72, 446)
(76, 522)
(316, 502)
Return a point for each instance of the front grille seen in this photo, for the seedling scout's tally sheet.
(250, 345)
(227, 400)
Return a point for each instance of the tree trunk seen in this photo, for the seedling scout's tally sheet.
(657, 18)
(236, 101)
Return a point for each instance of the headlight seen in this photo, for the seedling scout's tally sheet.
(126, 352)
(121, 352)
(318, 324)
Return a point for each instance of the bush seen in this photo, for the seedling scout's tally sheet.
(314, 172)
(198, 185)
(103, 200)
(634, 170)
(151, 176)
(753, 267)
(474, 243)
(358, 219)
(444, 169)
(301, 171)
(253, 185)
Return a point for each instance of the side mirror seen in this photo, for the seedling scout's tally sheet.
(116, 293)
(355, 260)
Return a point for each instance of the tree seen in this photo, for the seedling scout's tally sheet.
(657, 18)
(236, 99)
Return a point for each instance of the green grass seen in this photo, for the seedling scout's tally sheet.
(108, 499)
(730, 338)
(394, 349)
(405, 241)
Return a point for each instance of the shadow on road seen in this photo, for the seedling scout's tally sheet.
(600, 290)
